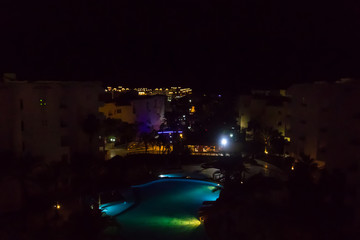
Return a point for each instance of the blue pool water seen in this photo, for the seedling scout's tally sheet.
(163, 209)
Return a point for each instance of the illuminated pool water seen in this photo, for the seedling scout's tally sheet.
(164, 209)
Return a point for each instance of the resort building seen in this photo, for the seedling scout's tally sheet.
(147, 111)
(48, 119)
(125, 113)
(325, 122)
(267, 108)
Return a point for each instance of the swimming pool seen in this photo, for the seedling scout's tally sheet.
(164, 209)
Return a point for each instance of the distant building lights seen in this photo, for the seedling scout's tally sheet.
(231, 135)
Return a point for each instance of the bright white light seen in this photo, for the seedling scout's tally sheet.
(224, 141)
(231, 135)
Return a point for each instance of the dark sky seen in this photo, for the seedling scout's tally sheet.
(221, 45)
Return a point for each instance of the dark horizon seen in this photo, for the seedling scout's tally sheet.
(209, 45)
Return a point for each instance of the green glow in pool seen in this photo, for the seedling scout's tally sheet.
(164, 209)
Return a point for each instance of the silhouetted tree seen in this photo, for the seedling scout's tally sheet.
(91, 126)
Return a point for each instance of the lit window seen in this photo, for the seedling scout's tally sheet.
(42, 102)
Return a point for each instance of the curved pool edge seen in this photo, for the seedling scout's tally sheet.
(177, 180)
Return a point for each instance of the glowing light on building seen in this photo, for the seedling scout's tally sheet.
(57, 205)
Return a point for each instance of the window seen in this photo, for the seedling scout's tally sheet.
(64, 141)
(64, 157)
(356, 115)
(354, 142)
(323, 129)
(62, 106)
(325, 109)
(118, 110)
(322, 150)
(302, 138)
(63, 124)
(42, 102)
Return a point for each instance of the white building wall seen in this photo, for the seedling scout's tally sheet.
(39, 115)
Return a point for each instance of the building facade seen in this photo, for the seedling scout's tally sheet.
(124, 113)
(146, 111)
(325, 122)
(267, 108)
(149, 112)
(46, 119)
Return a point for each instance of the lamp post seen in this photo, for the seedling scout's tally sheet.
(223, 144)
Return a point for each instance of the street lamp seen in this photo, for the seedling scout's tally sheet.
(224, 142)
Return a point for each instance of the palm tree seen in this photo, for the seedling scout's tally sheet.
(91, 126)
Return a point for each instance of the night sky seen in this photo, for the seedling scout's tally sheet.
(152, 43)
